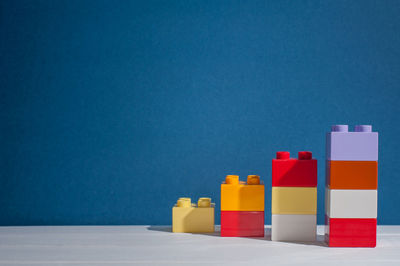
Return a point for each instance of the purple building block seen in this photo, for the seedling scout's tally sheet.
(360, 145)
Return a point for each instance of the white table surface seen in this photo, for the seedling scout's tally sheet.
(156, 245)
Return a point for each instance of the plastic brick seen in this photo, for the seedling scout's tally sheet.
(348, 232)
(290, 172)
(193, 218)
(242, 224)
(294, 200)
(349, 203)
(242, 196)
(352, 174)
(360, 145)
(294, 227)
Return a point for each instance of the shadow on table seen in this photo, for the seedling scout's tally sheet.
(267, 236)
(160, 228)
(168, 229)
(318, 242)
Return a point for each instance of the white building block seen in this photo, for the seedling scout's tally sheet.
(351, 203)
(294, 227)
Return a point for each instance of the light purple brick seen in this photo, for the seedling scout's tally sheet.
(361, 145)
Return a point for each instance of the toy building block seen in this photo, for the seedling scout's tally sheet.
(351, 187)
(290, 172)
(242, 196)
(294, 227)
(242, 224)
(350, 232)
(360, 145)
(352, 174)
(193, 218)
(351, 203)
(294, 200)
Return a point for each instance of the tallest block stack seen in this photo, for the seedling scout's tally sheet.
(351, 186)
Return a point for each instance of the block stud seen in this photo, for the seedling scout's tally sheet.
(184, 202)
(363, 128)
(253, 180)
(340, 128)
(282, 155)
(204, 202)
(305, 155)
(232, 179)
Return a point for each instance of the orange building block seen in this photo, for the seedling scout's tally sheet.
(242, 196)
(352, 174)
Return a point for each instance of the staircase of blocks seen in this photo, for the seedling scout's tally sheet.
(350, 196)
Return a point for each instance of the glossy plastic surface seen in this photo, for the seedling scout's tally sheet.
(193, 218)
(294, 200)
(348, 232)
(352, 174)
(290, 172)
(242, 224)
(242, 196)
(360, 145)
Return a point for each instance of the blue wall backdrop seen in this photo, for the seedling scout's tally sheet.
(111, 110)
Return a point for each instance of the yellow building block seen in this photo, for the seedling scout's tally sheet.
(242, 196)
(193, 218)
(294, 200)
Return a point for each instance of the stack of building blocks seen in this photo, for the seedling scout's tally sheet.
(242, 207)
(351, 187)
(294, 197)
(193, 218)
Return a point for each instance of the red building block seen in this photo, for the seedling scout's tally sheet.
(350, 232)
(242, 223)
(290, 172)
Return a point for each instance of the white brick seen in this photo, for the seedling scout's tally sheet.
(351, 203)
(294, 227)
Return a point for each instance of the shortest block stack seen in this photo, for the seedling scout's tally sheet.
(192, 218)
(294, 197)
(242, 207)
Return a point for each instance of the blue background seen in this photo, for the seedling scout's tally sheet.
(110, 111)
